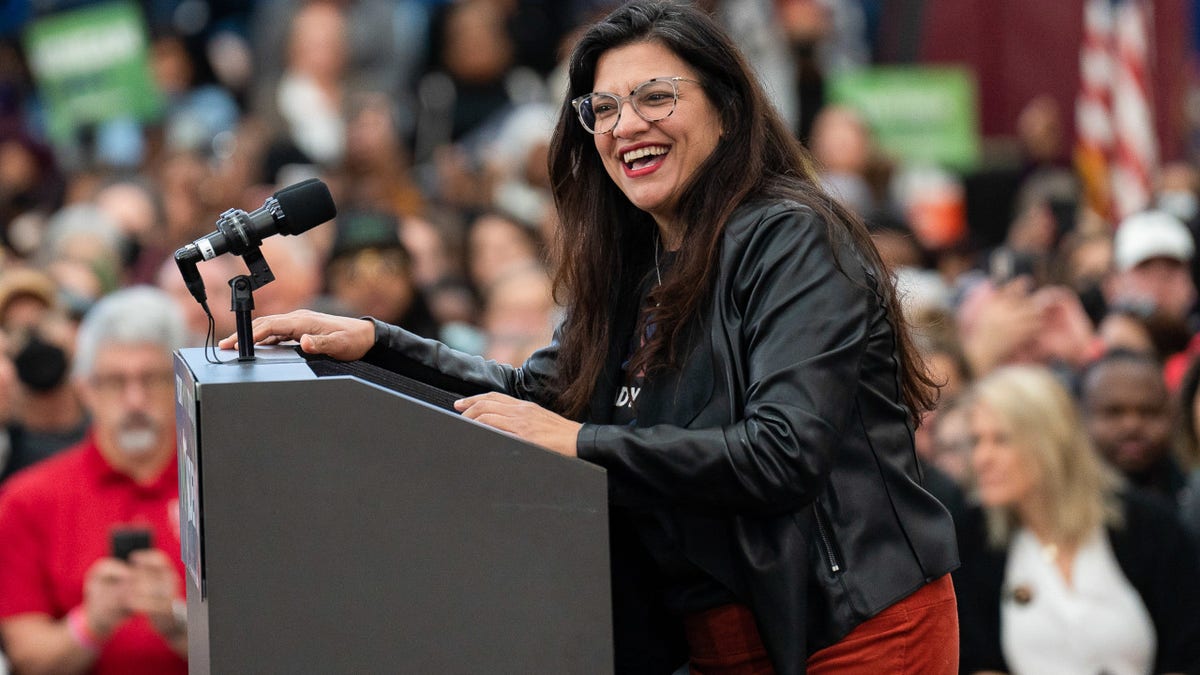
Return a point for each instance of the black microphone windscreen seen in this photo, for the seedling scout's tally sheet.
(305, 205)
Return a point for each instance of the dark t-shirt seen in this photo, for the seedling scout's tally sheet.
(29, 447)
(686, 587)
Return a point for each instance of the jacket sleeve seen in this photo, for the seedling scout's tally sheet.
(434, 363)
(804, 328)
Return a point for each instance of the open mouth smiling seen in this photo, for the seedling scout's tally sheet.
(643, 156)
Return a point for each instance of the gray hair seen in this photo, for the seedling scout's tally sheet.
(136, 315)
(79, 220)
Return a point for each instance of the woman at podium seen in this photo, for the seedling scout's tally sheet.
(734, 355)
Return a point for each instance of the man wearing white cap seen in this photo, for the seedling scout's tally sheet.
(1152, 253)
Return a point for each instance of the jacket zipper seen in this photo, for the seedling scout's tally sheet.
(834, 566)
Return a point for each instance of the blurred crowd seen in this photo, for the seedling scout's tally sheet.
(430, 121)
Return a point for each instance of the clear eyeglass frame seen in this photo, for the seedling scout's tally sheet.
(151, 381)
(585, 105)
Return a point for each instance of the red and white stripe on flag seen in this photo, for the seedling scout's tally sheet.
(1093, 106)
(1136, 148)
(1114, 114)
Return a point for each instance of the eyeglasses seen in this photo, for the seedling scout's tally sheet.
(370, 263)
(652, 100)
(156, 382)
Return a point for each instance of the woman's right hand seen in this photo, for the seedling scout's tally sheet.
(341, 337)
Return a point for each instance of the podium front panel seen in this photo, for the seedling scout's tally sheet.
(345, 528)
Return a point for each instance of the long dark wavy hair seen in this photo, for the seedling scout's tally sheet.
(605, 244)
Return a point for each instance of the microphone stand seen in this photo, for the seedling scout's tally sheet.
(241, 289)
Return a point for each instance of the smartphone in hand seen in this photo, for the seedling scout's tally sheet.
(126, 540)
(1005, 265)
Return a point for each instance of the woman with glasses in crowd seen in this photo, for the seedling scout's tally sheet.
(1066, 570)
(733, 354)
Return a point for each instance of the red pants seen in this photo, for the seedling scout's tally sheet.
(916, 636)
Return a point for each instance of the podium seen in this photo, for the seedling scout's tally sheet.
(331, 525)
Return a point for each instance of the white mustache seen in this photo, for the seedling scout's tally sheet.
(137, 433)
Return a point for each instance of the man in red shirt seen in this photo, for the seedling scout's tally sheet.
(66, 604)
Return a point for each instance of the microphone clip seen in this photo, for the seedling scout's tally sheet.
(235, 226)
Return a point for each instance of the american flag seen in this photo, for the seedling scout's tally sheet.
(1117, 151)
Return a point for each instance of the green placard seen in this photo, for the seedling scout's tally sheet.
(918, 114)
(90, 65)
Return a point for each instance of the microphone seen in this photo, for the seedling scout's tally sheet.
(292, 210)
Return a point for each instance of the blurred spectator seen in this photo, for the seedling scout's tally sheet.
(897, 244)
(932, 200)
(369, 273)
(473, 50)
(27, 296)
(755, 26)
(1040, 133)
(31, 188)
(1153, 254)
(196, 113)
(516, 169)
(1082, 261)
(190, 202)
(951, 434)
(1176, 193)
(941, 351)
(1063, 570)
(1189, 411)
(1124, 327)
(826, 37)
(49, 416)
(1048, 191)
(42, 413)
(83, 251)
(471, 87)
(841, 144)
(376, 172)
(386, 42)
(1034, 230)
(66, 605)
(430, 251)
(310, 97)
(1188, 400)
(135, 206)
(519, 314)
(497, 244)
(935, 437)
(1130, 419)
(537, 28)
(440, 280)
(941, 436)
(1016, 322)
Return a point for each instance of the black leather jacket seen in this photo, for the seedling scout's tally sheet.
(780, 448)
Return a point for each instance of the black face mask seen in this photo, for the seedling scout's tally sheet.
(131, 250)
(1091, 296)
(41, 366)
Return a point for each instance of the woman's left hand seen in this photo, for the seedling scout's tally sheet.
(525, 420)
